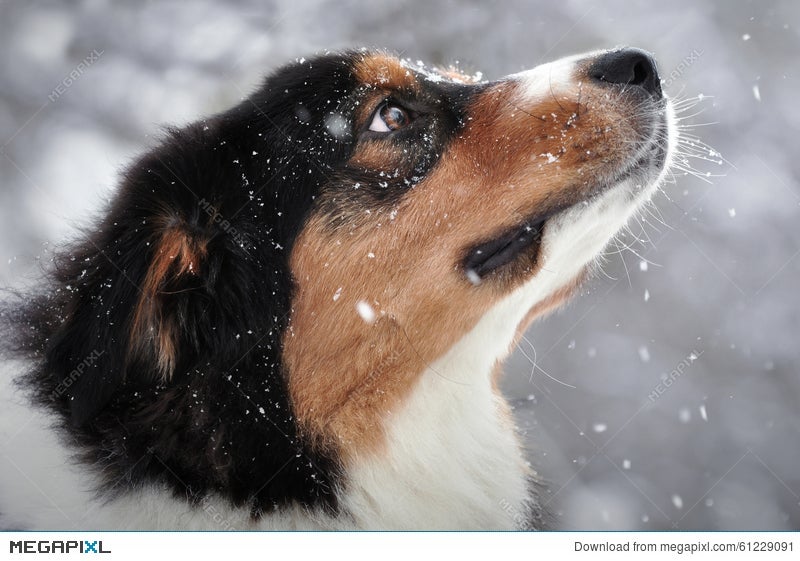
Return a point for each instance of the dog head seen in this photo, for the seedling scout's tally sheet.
(309, 252)
(453, 196)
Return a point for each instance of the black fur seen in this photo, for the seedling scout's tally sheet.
(243, 181)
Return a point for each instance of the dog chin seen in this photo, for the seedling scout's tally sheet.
(577, 236)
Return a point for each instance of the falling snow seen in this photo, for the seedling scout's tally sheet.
(473, 277)
(690, 297)
(338, 126)
(366, 311)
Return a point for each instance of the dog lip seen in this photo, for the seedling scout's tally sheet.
(487, 257)
(654, 156)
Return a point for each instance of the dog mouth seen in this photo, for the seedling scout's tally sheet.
(525, 240)
(490, 256)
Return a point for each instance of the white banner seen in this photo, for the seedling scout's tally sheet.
(389, 546)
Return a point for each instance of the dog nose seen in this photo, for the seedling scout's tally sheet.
(627, 67)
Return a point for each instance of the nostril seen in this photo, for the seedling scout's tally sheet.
(641, 74)
(625, 67)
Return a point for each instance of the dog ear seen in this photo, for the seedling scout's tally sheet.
(133, 293)
(176, 278)
(128, 315)
(175, 265)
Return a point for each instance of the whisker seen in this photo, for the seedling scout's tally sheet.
(535, 366)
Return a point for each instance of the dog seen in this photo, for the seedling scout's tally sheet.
(293, 314)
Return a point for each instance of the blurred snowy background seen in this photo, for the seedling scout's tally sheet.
(667, 395)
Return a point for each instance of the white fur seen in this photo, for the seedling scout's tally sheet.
(538, 81)
(453, 461)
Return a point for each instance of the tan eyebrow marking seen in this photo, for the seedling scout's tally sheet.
(384, 72)
(455, 75)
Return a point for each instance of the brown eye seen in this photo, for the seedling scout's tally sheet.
(389, 118)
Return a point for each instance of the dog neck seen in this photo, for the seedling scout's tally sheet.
(452, 458)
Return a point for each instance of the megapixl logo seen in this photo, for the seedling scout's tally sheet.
(57, 546)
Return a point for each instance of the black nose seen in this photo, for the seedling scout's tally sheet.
(627, 67)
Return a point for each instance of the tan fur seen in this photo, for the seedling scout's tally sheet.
(549, 304)
(455, 75)
(176, 253)
(345, 374)
(378, 155)
(385, 72)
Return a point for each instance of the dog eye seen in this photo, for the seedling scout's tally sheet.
(389, 117)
